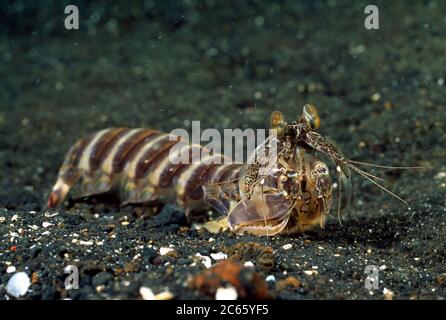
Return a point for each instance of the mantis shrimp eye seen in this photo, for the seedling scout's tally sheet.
(311, 116)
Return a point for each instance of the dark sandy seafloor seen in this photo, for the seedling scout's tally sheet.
(381, 96)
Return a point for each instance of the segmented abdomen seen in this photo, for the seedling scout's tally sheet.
(136, 164)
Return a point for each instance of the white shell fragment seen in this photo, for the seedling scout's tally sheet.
(311, 272)
(10, 269)
(287, 246)
(165, 295)
(270, 278)
(205, 260)
(18, 284)
(165, 250)
(226, 294)
(50, 215)
(219, 256)
(146, 293)
(388, 294)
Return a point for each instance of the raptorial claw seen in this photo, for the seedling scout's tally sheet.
(267, 216)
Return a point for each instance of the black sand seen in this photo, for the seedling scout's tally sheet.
(381, 98)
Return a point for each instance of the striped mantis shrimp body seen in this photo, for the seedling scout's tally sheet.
(135, 164)
(284, 188)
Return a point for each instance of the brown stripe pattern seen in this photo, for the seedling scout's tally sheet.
(138, 162)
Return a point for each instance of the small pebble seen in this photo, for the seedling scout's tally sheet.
(50, 215)
(310, 272)
(10, 269)
(226, 293)
(164, 250)
(146, 293)
(86, 243)
(18, 284)
(440, 175)
(388, 295)
(165, 295)
(287, 246)
(249, 264)
(205, 260)
(219, 256)
(100, 288)
(376, 97)
(270, 278)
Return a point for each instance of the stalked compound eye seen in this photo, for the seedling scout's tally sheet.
(311, 116)
(277, 122)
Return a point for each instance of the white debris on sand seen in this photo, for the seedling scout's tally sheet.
(287, 246)
(270, 278)
(440, 175)
(249, 264)
(165, 295)
(18, 284)
(165, 250)
(50, 215)
(147, 294)
(228, 293)
(311, 272)
(219, 256)
(46, 224)
(86, 243)
(205, 260)
(388, 294)
(10, 269)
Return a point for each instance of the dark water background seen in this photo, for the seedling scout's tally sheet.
(228, 64)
